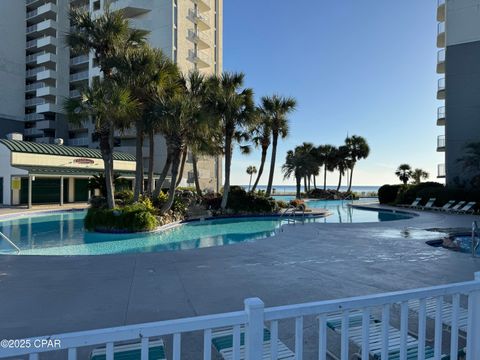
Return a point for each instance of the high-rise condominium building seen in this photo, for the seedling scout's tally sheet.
(459, 61)
(38, 71)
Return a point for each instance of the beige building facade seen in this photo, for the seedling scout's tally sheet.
(37, 70)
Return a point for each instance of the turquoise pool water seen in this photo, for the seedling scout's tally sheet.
(62, 233)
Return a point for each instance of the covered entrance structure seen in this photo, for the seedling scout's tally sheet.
(34, 173)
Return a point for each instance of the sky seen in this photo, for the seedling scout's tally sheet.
(355, 67)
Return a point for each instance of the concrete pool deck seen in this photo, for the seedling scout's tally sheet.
(44, 295)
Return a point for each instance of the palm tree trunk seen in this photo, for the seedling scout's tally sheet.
(309, 178)
(305, 184)
(351, 176)
(299, 186)
(260, 170)
(107, 156)
(272, 164)
(163, 175)
(182, 166)
(171, 190)
(138, 189)
(228, 164)
(195, 174)
(325, 177)
(151, 161)
(250, 182)
(339, 182)
(314, 182)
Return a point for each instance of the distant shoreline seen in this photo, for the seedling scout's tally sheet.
(291, 189)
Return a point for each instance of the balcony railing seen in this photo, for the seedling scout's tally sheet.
(365, 320)
(81, 141)
(441, 89)
(441, 143)
(200, 38)
(203, 5)
(34, 102)
(83, 75)
(34, 72)
(79, 60)
(34, 117)
(441, 172)
(202, 20)
(441, 35)
(200, 58)
(34, 86)
(441, 116)
(75, 93)
(441, 61)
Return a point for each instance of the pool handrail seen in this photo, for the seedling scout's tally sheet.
(475, 242)
(3, 236)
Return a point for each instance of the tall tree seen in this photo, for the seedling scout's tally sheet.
(277, 108)
(418, 175)
(404, 173)
(112, 107)
(145, 71)
(250, 171)
(107, 36)
(262, 134)
(327, 154)
(341, 163)
(294, 166)
(358, 149)
(234, 108)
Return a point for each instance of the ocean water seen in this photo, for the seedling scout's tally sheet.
(282, 189)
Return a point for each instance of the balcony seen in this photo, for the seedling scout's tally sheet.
(34, 117)
(46, 11)
(202, 20)
(75, 93)
(44, 43)
(33, 132)
(35, 71)
(441, 116)
(441, 62)
(441, 143)
(441, 89)
(441, 35)
(34, 102)
(79, 60)
(80, 76)
(203, 5)
(47, 107)
(200, 58)
(441, 10)
(46, 124)
(45, 140)
(44, 28)
(81, 141)
(46, 74)
(34, 86)
(132, 8)
(200, 38)
(441, 173)
(46, 58)
(46, 91)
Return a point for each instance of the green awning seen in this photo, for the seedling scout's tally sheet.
(60, 150)
(66, 171)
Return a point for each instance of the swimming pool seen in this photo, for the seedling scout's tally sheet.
(62, 233)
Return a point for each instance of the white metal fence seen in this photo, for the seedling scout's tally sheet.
(394, 310)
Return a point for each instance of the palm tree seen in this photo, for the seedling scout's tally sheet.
(341, 163)
(261, 138)
(327, 155)
(294, 166)
(107, 36)
(234, 108)
(404, 173)
(145, 71)
(277, 109)
(112, 107)
(308, 153)
(358, 149)
(418, 175)
(250, 171)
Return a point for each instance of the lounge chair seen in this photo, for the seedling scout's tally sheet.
(413, 204)
(457, 207)
(156, 351)
(445, 207)
(447, 311)
(375, 332)
(467, 208)
(428, 205)
(222, 340)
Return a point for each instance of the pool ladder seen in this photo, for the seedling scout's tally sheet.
(292, 213)
(475, 239)
(3, 236)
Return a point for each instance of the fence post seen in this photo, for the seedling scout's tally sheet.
(254, 332)
(475, 330)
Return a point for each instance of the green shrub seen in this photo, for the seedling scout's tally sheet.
(180, 205)
(408, 193)
(161, 199)
(131, 218)
(388, 193)
(241, 201)
(282, 204)
(126, 196)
